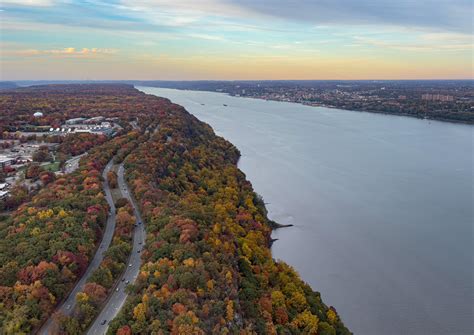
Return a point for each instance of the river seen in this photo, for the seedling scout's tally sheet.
(382, 206)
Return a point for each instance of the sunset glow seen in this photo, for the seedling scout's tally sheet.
(235, 39)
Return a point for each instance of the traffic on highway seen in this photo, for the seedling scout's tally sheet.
(67, 306)
(119, 295)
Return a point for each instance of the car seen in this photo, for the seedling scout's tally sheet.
(103, 322)
(139, 222)
(68, 307)
(140, 243)
(138, 251)
(127, 282)
(123, 279)
(117, 289)
(130, 265)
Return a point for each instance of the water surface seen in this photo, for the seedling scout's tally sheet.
(382, 206)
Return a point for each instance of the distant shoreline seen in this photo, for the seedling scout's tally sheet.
(470, 123)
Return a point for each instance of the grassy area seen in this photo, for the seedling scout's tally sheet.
(53, 167)
(116, 194)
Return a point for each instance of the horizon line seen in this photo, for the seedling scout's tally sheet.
(232, 80)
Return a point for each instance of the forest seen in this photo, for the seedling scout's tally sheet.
(206, 265)
(48, 242)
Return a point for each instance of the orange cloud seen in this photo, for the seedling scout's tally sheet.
(67, 52)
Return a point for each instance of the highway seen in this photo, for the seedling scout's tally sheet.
(72, 164)
(118, 295)
(68, 304)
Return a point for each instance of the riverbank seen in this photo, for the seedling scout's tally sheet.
(206, 263)
(419, 117)
(363, 193)
(387, 98)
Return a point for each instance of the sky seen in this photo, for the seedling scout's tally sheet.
(235, 39)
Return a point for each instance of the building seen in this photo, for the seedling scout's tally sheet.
(96, 119)
(437, 97)
(75, 120)
(6, 161)
(52, 146)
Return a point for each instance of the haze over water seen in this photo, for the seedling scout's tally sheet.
(382, 206)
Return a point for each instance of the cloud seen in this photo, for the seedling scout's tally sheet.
(450, 15)
(261, 15)
(65, 52)
(428, 15)
(236, 32)
(34, 3)
(198, 8)
(425, 42)
(208, 37)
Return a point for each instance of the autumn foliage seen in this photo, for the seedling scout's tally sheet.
(206, 267)
(112, 179)
(76, 144)
(47, 243)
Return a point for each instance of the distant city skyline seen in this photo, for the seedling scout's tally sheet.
(235, 39)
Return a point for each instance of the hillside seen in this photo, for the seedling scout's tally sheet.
(6, 85)
(206, 266)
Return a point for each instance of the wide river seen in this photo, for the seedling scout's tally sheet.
(382, 206)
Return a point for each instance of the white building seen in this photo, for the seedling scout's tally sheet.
(6, 161)
(96, 119)
(76, 120)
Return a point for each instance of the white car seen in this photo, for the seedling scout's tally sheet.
(130, 265)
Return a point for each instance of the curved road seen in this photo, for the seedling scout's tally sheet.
(118, 295)
(68, 304)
